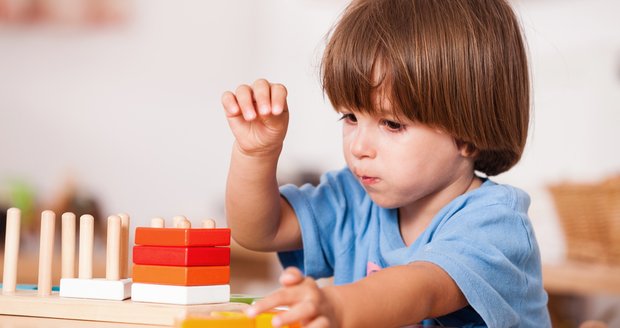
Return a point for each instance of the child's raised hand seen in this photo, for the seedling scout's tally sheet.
(308, 304)
(258, 116)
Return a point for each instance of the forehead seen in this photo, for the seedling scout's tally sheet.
(380, 105)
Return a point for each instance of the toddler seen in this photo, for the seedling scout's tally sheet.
(434, 98)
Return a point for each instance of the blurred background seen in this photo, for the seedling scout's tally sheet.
(111, 106)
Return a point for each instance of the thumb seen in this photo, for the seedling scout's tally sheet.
(291, 276)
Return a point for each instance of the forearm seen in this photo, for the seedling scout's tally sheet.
(397, 296)
(252, 198)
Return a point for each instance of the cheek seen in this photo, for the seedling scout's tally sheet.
(347, 133)
(435, 144)
(423, 156)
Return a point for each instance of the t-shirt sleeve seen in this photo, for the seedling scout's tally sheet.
(494, 263)
(320, 211)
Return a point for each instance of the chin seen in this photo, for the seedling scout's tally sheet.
(385, 202)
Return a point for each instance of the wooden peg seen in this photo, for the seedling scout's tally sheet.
(11, 250)
(124, 257)
(87, 231)
(46, 253)
(177, 219)
(67, 237)
(208, 224)
(184, 224)
(113, 248)
(157, 223)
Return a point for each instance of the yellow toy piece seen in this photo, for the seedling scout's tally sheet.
(228, 314)
(219, 320)
(263, 320)
(226, 319)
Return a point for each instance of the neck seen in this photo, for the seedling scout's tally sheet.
(415, 217)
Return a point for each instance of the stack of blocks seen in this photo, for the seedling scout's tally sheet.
(181, 265)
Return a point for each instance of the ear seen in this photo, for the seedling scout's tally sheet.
(467, 149)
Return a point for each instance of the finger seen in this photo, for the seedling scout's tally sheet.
(246, 103)
(262, 96)
(320, 322)
(278, 99)
(291, 276)
(301, 312)
(230, 104)
(281, 297)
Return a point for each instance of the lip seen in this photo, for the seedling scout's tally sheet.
(364, 179)
(367, 181)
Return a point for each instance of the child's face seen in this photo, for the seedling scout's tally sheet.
(400, 163)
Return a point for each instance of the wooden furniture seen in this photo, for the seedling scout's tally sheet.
(570, 283)
(581, 278)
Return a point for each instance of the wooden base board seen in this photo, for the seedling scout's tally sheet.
(27, 303)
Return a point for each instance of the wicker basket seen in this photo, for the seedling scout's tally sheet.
(590, 217)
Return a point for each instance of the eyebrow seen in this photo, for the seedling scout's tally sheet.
(383, 111)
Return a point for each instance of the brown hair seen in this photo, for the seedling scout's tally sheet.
(458, 65)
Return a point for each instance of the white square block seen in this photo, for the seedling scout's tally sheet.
(184, 295)
(98, 288)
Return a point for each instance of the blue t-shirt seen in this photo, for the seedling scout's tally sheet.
(483, 239)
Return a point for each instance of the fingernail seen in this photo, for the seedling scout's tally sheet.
(251, 312)
(276, 322)
(264, 110)
(277, 110)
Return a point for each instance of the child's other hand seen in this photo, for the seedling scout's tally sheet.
(258, 116)
(308, 304)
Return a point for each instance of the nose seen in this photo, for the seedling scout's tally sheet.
(362, 143)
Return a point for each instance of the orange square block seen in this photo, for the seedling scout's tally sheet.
(181, 276)
(181, 256)
(182, 236)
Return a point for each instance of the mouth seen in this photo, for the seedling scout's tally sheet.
(366, 180)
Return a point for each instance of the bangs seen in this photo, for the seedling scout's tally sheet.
(367, 67)
(357, 73)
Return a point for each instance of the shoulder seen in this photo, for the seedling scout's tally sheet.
(484, 238)
(490, 201)
(492, 194)
(493, 214)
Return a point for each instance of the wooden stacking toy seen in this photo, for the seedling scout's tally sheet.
(185, 252)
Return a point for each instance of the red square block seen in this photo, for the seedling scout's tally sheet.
(181, 256)
(181, 276)
(182, 237)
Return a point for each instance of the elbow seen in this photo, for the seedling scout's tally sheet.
(251, 244)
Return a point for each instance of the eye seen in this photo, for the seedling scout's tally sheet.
(349, 118)
(393, 126)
